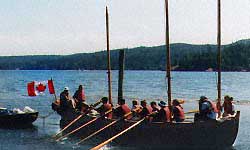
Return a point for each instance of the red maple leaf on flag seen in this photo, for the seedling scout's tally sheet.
(41, 87)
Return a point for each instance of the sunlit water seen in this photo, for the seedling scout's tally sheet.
(149, 85)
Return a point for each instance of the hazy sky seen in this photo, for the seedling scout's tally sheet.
(76, 26)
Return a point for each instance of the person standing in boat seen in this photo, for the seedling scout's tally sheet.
(65, 102)
(122, 109)
(79, 97)
(146, 109)
(228, 106)
(105, 107)
(207, 109)
(154, 106)
(178, 111)
(164, 113)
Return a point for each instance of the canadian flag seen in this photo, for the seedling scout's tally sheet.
(35, 88)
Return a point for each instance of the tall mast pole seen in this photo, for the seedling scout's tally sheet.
(108, 57)
(219, 52)
(168, 59)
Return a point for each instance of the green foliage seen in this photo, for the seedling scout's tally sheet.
(184, 57)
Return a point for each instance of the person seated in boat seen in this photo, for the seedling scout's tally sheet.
(122, 109)
(79, 97)
(105, 107)
(155, 107)
(136, 107)
(178, 112)
(146, 109)
(228, 106)
(65, 100)
(207, 109)
(164, 113)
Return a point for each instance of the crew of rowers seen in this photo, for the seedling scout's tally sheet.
(153, 112)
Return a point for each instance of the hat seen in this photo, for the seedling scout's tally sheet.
(227, 97)
(162, 104)
(66, 88)
(143, 102)
(202, 98)
(176, 102)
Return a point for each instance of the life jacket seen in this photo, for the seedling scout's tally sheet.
(125, 110)
(106, 108)
(81, 95)
(137, 108)
(228, 107)
(155, 109)
(167, 112)
(213, 107)
(150, 109)
(180, 114)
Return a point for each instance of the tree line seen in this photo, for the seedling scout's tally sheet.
(184, 57)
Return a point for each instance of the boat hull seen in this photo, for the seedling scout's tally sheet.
(196, 135)
(187, 135)
(18, 120)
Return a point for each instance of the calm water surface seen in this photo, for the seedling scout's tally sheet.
(149, 85)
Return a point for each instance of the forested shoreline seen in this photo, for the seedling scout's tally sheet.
(184, 57)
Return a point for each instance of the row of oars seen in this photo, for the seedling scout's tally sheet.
(120, 133)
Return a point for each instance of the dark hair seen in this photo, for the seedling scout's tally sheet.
(122, 101)
(80, 86)
(153, 103)
(135, 102)
(104, 99)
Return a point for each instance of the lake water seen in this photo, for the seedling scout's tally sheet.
(149, 85)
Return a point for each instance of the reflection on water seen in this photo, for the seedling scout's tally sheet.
(149, 85)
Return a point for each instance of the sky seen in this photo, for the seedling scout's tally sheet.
(61, 27)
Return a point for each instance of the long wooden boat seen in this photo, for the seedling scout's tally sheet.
(186, 135)
(156, 135)
(9, 119)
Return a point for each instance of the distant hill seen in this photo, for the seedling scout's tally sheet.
(183, 56)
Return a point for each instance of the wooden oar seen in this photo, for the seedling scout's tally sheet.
(98, 131)
(77, 118)
(107, 112)
(117, 135)
(192, 111)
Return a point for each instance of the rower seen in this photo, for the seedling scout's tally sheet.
(146, 109)
(105, 107)
(136, 107)
(154, 106)
(228, 106)
(207, 109)
(178, 111)
(164, 113)
(122, 109)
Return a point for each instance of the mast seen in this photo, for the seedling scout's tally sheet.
(108, 57)
(219, 53)
(168, 59)
(121, 74)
